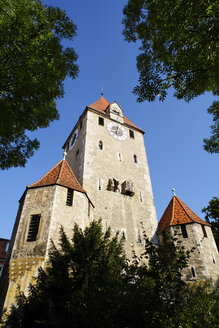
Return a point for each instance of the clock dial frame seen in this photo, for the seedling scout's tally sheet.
(73, 139)
(117, 131)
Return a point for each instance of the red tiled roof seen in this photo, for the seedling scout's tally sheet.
(101, 106)
(61, 174)
(176, 213)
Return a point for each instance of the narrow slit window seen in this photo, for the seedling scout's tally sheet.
(213, 260)
(135, 159)
(101, 121)
(33, 227)
(6, 247)
(204, 231)
(69, 199)
(184, 231)
(120, 157)
(77, 153)
(81, 125)
(131, 134)
(101, 145)
(140, 197)
(193, 272)
(99, 184)
(139, 236)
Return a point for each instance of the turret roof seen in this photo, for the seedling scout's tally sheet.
(177, 212)
(61, 174)
(101, 106)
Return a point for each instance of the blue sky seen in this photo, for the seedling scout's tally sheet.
(174, 129)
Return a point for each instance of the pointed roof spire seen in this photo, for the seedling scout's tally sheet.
(177, 213)
(61, 174)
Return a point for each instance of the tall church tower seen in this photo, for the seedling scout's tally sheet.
(105, 175)
(107, 154)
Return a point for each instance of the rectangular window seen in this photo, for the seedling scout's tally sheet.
(131, 134)
(101, 121)
(184, 232)
(33, 227)
(69, 199)
(204, 231)
(6, 247)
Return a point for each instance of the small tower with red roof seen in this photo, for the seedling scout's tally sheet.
(195, 234)
(55, 200)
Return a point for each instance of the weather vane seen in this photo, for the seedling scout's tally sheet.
(101, 91)
(173, 190)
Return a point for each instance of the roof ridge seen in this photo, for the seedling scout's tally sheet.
(172, 214)
(76, 180)
(182, 206)
(60, 171)
(45, 174)
(185, 210)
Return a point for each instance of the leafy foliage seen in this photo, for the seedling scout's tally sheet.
(89, 283)
(212, 216)
(34, 64)
(178, 49)
(212, 145)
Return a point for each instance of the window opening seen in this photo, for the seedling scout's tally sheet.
(33, 227)
(139, 236)
(123, 233)
(6, 247)
(140, 197)
(73, 139)
(77, 152)
(135, 159)
(131, 134)
(204, 231)
(69, 199)
(213, 258)
(99, 184)
(101, 121)
(193, 272)
(184, 231)
(120, 158)
(101, 144)
(80, 125)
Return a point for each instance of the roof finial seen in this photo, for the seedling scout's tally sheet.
(64, 155)
(101, 91)
(173, 190)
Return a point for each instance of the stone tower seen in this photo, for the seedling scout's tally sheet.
(56, 200)
(107, 154)
(193, 233)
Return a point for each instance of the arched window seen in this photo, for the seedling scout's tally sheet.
(101, 144)
(135, 159)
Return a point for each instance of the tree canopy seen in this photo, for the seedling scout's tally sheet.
(212, 216)
(34, 64)
(89, 283)
(211, 145)
(178, 48)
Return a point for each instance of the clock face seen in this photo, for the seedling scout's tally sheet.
(73, 139)
(117, 131)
